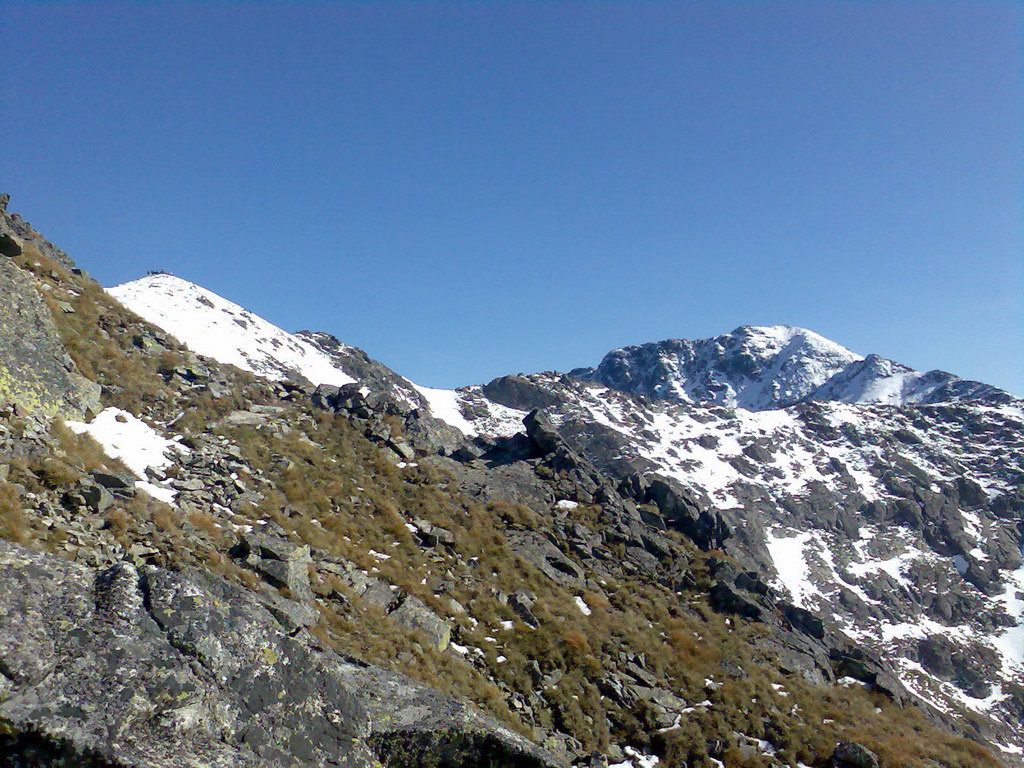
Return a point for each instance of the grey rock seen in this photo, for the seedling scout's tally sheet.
(379, 594)
(36, 371)
(279, 561)
(522, 604)
(415, 615)
(160, 670)
(726, 599)
(515, 483)
(114, 482)
(405, 451)
(519, 392)
(848, 754)
(544, 555)
(97, 498)
(271, 547)
(431, 535)
(542, 432)
(245, 419)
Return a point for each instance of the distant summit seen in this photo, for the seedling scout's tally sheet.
(761, 368)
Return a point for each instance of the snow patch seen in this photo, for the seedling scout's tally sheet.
(444, 405)
(636, 760)
(138, 446)
(582, 605)
(788, 555)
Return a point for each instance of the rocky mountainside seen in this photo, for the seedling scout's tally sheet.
(900, 527)
(251, 547)
(886, 501)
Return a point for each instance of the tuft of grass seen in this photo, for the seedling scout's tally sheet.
(13, 524)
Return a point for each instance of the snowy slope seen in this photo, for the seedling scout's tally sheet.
(765, 367)
(215, 327)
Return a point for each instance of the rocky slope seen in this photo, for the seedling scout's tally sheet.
(269, 549)
(885, 500)
(898, 526)
(172, 669)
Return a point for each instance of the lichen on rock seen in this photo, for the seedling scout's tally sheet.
(36, 371)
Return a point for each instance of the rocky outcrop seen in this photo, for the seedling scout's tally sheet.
(519, 392)
(36, 372)
(415, 615)
(16, 234)
(403, 426)
(546, 557)
(149, 668)
(279, 562)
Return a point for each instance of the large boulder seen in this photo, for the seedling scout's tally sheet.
(849, 754)
(519, 392)
(546, 557)
(279, 562)
(415, 615)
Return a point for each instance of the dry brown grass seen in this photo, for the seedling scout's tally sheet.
(13, 523)
(340, 495)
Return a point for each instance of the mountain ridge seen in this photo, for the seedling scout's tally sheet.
(768, 367)
(752, 367)
(783, 414)
(617, 578)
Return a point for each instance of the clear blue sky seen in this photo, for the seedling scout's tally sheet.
(472, 189)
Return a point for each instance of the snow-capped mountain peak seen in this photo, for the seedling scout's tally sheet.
(762, 368)
(754, 367)
(211, 325)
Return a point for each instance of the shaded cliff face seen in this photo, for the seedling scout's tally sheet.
(36, 371)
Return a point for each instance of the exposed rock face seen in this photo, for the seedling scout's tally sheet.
(852, 755)
(380, 412)
(35, 369)
(518, 392)
(370, 373)
(546, 556)
(280, 562)
(152, 668)
(412, 613)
